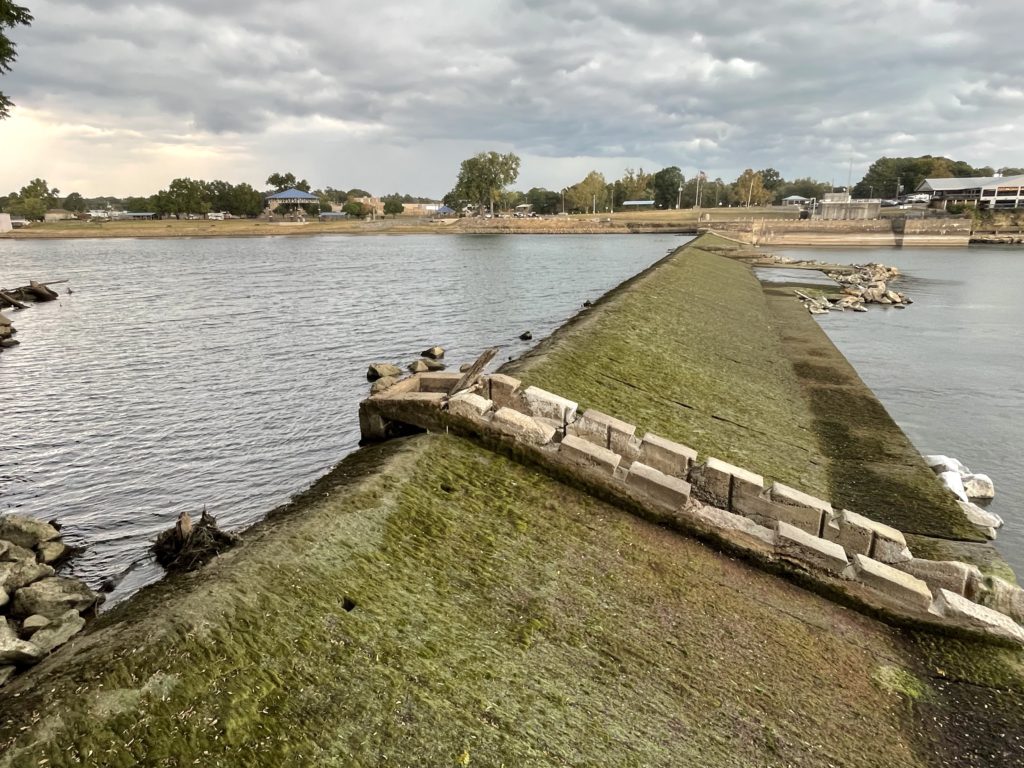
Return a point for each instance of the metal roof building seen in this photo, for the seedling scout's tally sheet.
(992, 192)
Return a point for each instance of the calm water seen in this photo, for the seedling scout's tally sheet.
(950, 368)
(227, 372)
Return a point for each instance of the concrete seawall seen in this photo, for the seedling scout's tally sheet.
(880, 233)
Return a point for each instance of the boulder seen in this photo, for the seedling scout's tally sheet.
(26, 531)
(525, 336)
(418, 366)
(58, 632)
(5, 598)
(380, 370)
(33, 624)
(939, 463)
(979, 486)
(14, 576)
(14, 650)
(12, 553)
(434, 365)
(1002, 596)
(954, 483)
(434, 353)
(987, 521)
(53, 597)
(5, 674)
(51, 551)
(382, 384)
(963, 611)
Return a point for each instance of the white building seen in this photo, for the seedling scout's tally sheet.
(987, 192)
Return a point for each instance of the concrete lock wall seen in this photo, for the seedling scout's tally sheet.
(880, 232)
(768, 522)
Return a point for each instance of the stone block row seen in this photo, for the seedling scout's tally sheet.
(732, 501)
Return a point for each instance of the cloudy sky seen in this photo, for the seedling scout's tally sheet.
(120, 97)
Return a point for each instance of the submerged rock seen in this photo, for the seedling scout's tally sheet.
(380, 370)
(434, 353)
(979, 486)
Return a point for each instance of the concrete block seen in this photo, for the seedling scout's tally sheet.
(897, 585)
(1000, 595)
(501, 390)
(547, 405)
(717, 479)
(469, 405)
(965, 612)
(663, 489)
(762, 510)
(944, 574)
(583, 452)
(862, 535)
(426, 399)
(512, 423)
(794, 498)
(438, 381)
(603, 430)
(798, 544)
(735, 528)
(666, 456)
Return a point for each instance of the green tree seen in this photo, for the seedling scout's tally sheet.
(11, 16)
(32, 208)
(1008, 171)
(245, 201)
(666, 184)
(892, 176)
(544, 201)
(74, 202)
(134, 204)
(749, 189)
(185, 196)
(588, 194)
(634, 185)
(484, 176)
(282, 181)
(771, 179)
(393, 205)
(357, 192)
(38, 188)
(219, 194)
(805, 187)
(356, 209)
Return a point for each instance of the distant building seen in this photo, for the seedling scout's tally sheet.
(58, 214)
(838, 206)
(637, 204)
(291, 197)
(795, 200)
(986, 192)
(5, 222)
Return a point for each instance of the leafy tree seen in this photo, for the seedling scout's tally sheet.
(484, 176)
(219, 194)
(544, 201)
(331, 195)
(634, 185)
(38, 188)
(805, 187)
(245, 201)
(749, 189)
(32, 208)
(666, 184)
(393, 205)
(356, 192)
(892, 176)
(11, 16)
(74, 203)
(135, 204)
(587, 194)
(1008, 171)
(184, 196)
(356, 210)
(282, 181)
(771, 179)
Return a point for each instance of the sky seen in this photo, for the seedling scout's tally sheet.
(118, 98)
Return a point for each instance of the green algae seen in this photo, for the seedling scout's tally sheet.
(459, 603)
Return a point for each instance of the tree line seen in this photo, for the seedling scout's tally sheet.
(186, 196)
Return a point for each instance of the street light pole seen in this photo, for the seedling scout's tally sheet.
(679, 198)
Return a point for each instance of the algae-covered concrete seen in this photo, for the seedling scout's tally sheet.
(433, 603)
(430, 603)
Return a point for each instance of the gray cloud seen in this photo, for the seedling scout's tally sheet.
(802, 86)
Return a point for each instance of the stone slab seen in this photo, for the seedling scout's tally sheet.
(583, 452)
(603, 430)
(666, 456)
(512, 423)
(717, 480)
(783, 494)
(963, 611)
(951, 575)
(469, 405)
(438, 381)
(798, 544)
(501, 390)
(547, 405)
(892, 583)
(664, 489)
(762, 510)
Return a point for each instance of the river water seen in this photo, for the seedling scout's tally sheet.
(949, 368)
(180, 373)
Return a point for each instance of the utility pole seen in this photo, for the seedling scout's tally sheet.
(679, 197)
(563, 199)
(595, 202)
(750, 192)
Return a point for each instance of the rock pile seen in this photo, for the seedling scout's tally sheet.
(968, 487)
(387, 373)
(870, 284)
(39, 610)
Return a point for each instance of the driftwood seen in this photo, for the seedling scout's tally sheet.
(6, 300)
(188, 545)
(475, 370)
